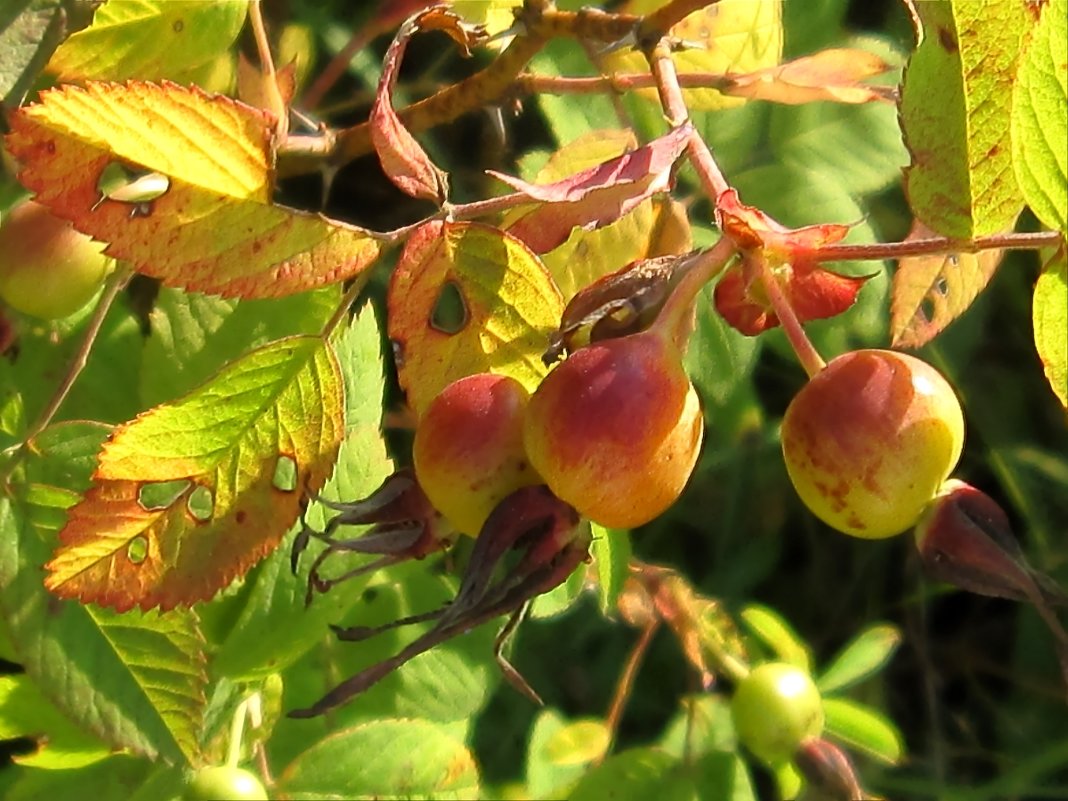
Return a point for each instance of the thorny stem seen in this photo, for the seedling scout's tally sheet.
(806, 352)
(667, 84)
(625, 685)
(532, 83)
(540, 23)
(937, 245)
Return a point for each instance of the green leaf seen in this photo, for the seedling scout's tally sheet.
(149, 39)
(1051, 322)
(270, 626)
(113, 779)
(545, 777)
(861, 657)
(195, 335)
(611, 556)
(635, 775)
(578, 743)
(400, 759)
(703, 725)
(723, 775)
(1040, 118)
(955, 111)
(135, 681)
(29, 33)
(26, 712)
(864, 729)
(860, 145)
(773, 630)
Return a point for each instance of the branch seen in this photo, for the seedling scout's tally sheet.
(937, 245)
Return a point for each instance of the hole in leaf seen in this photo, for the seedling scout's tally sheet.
(161, 494)
(201, 504)
(450, 310)
(285, 474)
(137, 550)
(941, 286)
(927, 308)
(138, 188)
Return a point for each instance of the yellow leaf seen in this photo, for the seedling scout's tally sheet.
(214, 229)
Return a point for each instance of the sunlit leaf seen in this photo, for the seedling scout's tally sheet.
(186, 497)
(579, 742)
(468, 298)
(731, 36)
(833, 75)
(611, 555)
(149, 39)
(1051, 322)
(214, 229)
(775, 633)
(862, 656)
(1040, 118)
(930, 292)
(495, 15)
(26, 712)
(405, 759)
(863, 729)
(955, 116)
(598, 195)
(271, 627)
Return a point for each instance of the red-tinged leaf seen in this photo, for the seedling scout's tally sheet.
(812, 292)
(599, 195)
(833, 75)
(191, 494)
(403, 158)
(468, 298)
(930, 292)
(214, 228)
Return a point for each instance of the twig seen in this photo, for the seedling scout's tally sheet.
(936, 245)
(625, 685)
(806, 352)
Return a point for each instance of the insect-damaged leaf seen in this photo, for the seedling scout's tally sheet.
(930, 292)
(598, 195)
(954, 108)
(403, 158)
(468, 298)
(214, 228)
(192, 493)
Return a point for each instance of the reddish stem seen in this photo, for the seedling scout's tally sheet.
(806, 352)
(936, 245)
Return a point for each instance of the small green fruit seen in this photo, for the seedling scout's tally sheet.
(223, 783)
(776, 708)
(47, 268)
(870, 439)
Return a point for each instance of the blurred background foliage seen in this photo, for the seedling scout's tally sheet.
(974, 686)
